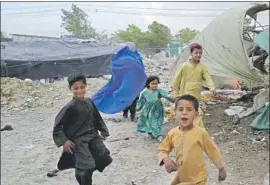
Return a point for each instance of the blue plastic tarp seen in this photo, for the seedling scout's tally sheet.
(127, 81)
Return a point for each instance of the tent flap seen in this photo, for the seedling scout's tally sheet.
(262, 40)
(224, 48)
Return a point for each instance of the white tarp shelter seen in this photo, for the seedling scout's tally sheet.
(225, 50)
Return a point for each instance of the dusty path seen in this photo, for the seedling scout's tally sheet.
(28, 153)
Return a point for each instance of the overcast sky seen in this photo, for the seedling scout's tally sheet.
(44, 18)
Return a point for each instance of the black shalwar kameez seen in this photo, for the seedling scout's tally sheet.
(79, 121)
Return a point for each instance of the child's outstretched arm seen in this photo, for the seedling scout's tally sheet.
(214, 154)
(164, 149)
(208, 79)
(165, 95)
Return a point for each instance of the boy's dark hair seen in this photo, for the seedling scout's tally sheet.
(189, 98)
(150, 79)
(195, 47)
(75, 78)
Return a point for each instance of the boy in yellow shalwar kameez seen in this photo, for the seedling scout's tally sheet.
(189, 143)
(190, 76)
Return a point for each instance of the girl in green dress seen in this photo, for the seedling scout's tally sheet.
(152, 115)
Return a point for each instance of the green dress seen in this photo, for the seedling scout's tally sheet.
(152, 115)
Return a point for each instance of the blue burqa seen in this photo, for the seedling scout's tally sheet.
(127, 81)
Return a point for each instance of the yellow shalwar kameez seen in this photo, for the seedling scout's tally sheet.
(189, 148)
(189, 80)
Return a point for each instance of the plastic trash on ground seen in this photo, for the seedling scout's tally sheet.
(169, 113)
(259, 101)
(28, 80)
(234, 110)
(261, 122)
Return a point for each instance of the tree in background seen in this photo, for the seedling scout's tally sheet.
(134, 34)
(160, 34)
(186, 35)
(76, 22)
(102, 35)
(157, 35)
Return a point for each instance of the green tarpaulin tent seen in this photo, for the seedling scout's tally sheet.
(262, 40)
(224, 47)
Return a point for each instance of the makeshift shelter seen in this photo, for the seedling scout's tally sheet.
(225, 49)
(262, 40)
(48, 59)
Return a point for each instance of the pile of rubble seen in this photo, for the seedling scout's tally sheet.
(23, 95)
(159, 65)
(19, 94)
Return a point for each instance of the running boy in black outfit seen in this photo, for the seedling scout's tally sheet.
(76, 129)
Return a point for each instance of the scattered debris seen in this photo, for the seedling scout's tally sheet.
(211, 103)
(107, 77)
(7, 128)
(120, 139)
(234, 110)
(259, 101)
(52, 173)
(236, 120)
(30, 147)
(259, 137)
(169, 113)
(28, 103)
(235, 132)
(28, 80)
(42, 81)
(217, 134)
(117, 120)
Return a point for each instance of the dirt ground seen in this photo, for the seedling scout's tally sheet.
(28, 151)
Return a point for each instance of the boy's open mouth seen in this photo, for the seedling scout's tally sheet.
(184, 119)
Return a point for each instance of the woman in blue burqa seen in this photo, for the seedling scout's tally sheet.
(127, 81)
